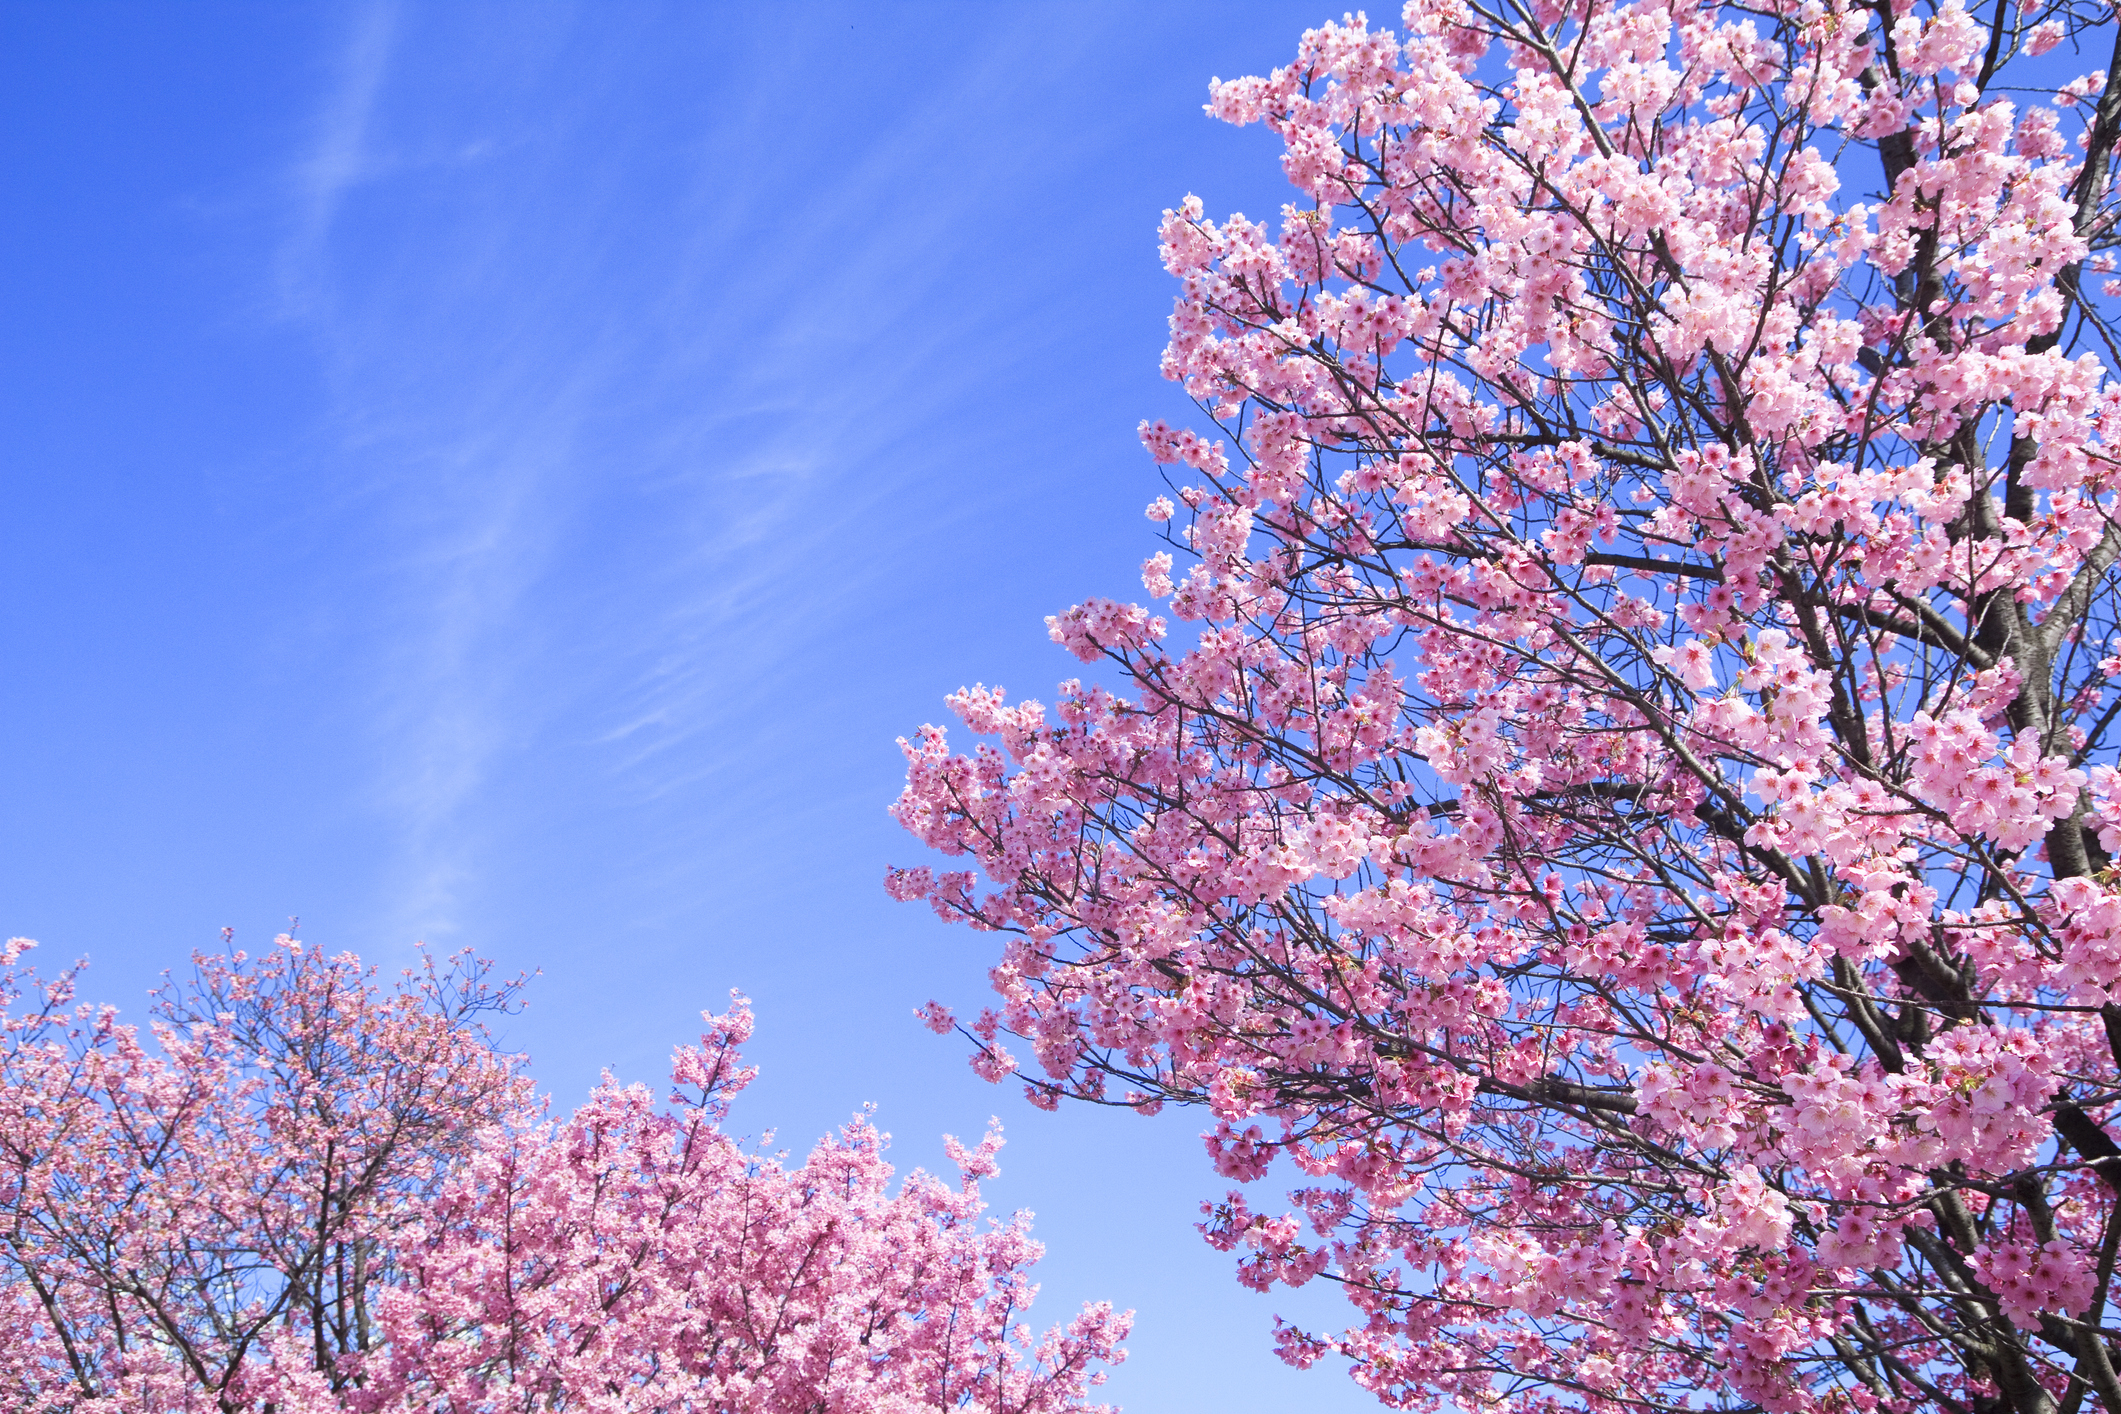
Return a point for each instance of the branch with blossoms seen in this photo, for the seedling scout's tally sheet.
(1617, 785)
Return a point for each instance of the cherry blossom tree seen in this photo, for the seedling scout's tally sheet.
(1615, 782)
(638, 1257)
(180, 1210)
(309, 1194)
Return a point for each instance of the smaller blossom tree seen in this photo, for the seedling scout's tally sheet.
(306, 1194)
(178, 1208)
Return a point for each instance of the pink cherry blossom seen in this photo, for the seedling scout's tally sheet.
(1614, 790)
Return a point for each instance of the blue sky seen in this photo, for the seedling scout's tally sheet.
(504, 475)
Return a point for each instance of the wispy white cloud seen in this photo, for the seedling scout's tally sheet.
(466, 553)
(857, 325)
(338, 159)
(455, 411)
(568, 314)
